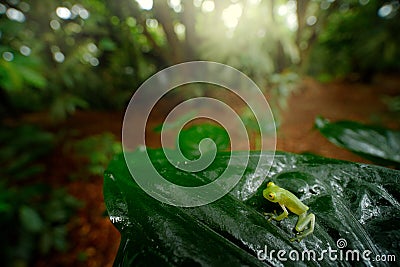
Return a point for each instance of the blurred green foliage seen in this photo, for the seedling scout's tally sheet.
(33, 216)
(360, 39)
(392, 103)
(69, 56)
(21, 147)
(96, 151)
(93, 54)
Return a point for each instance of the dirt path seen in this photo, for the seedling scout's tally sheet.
(94, 241)
(335, 101)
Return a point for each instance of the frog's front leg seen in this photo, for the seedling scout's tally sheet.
(302, 223)
(283, 215)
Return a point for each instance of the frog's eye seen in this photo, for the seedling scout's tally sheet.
(271, 195)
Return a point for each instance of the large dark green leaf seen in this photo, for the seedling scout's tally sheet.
(357, 202)
(374, 143)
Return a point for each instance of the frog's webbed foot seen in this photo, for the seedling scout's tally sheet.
(271, 215)
(298, 238)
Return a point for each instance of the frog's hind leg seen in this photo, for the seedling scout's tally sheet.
(302, 223)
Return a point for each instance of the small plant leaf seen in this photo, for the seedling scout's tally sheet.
(377, 144)
(30, 219)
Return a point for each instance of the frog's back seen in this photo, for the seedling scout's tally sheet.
(294, 204)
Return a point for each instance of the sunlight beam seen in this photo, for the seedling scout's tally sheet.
(231, 15)
(145, 4)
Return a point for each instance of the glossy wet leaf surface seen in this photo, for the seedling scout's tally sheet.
(377, 144)
(357, 202)
(190, 140)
